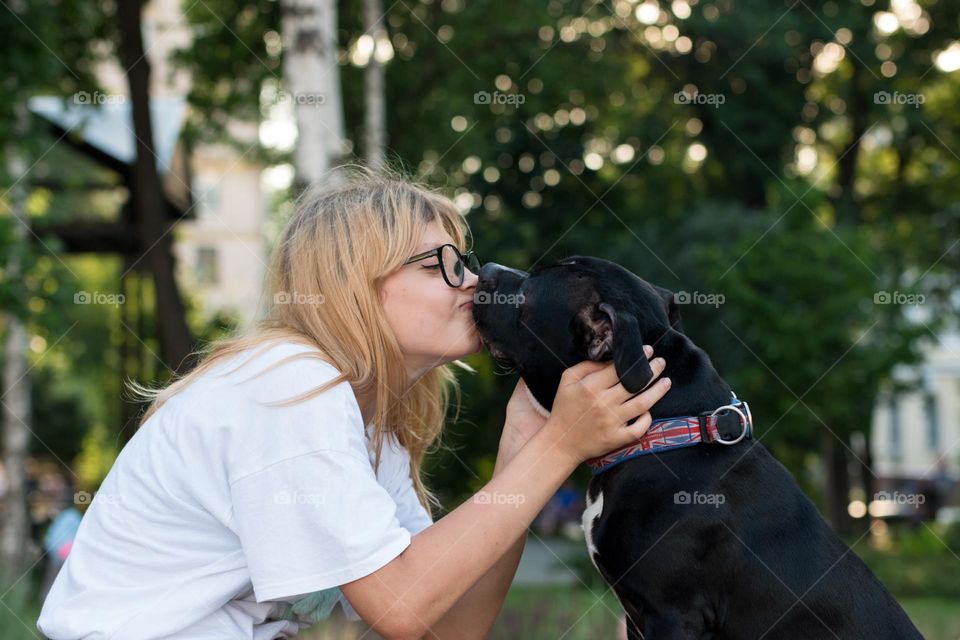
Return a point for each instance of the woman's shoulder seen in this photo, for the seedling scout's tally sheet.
(282, 382)
(272, 371)
(269, 405)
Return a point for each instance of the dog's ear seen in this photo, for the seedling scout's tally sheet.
(670, 303)
(603, 333)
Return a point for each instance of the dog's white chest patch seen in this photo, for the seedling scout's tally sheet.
(590, 515)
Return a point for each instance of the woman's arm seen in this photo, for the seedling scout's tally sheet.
(473, 614)
(409, 595)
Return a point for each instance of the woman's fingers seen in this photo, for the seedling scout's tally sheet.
(589, 419)
(620, 393)
(581, 370)
(608, 378)
(632, 432)
(642, 403)
(640, 406)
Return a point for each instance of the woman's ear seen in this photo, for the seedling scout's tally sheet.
(603, 333)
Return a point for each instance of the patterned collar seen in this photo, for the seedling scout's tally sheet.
(728, 425)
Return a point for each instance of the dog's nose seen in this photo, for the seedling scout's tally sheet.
(491, 273)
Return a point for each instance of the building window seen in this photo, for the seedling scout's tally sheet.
(207, 195)
(933, 427)
(207, 271)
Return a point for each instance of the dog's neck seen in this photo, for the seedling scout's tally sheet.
(697, 387)
(539, 408)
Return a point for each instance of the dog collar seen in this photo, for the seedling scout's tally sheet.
(728, 425)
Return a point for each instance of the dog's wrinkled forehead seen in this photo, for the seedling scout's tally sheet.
(562, 286)
(584, 281)
(580, 277)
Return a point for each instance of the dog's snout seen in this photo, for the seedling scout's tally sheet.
(489, 274)
(493, 274)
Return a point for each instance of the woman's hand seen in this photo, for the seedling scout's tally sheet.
(521, 423)
(592, 408)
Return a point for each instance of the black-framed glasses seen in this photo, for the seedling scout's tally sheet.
(451, 263)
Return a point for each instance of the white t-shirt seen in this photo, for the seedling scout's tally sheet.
(222, 510)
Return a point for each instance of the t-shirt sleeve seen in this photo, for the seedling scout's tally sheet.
(410, 512)
(313, 522)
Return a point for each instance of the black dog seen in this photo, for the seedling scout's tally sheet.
(754, 559)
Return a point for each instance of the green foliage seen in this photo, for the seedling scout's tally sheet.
(915, 564)
(599, 157)
(234, 55)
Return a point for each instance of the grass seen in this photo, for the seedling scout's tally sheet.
(937, 618)
(19, 611)
(919, 567)
(557, 612)
(554, 613)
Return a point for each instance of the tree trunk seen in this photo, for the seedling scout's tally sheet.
(312, 75)
(845, 203)
(836, 490)
(375, 124)
(147, 196)
(15, 389)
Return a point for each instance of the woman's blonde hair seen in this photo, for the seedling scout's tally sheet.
(326, 274)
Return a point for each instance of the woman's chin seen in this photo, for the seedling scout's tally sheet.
(461, 351)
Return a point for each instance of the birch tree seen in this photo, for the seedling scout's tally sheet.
(312, 77)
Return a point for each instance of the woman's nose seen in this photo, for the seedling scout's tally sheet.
(469, 279)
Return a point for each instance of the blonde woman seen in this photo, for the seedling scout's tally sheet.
(283, 473)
